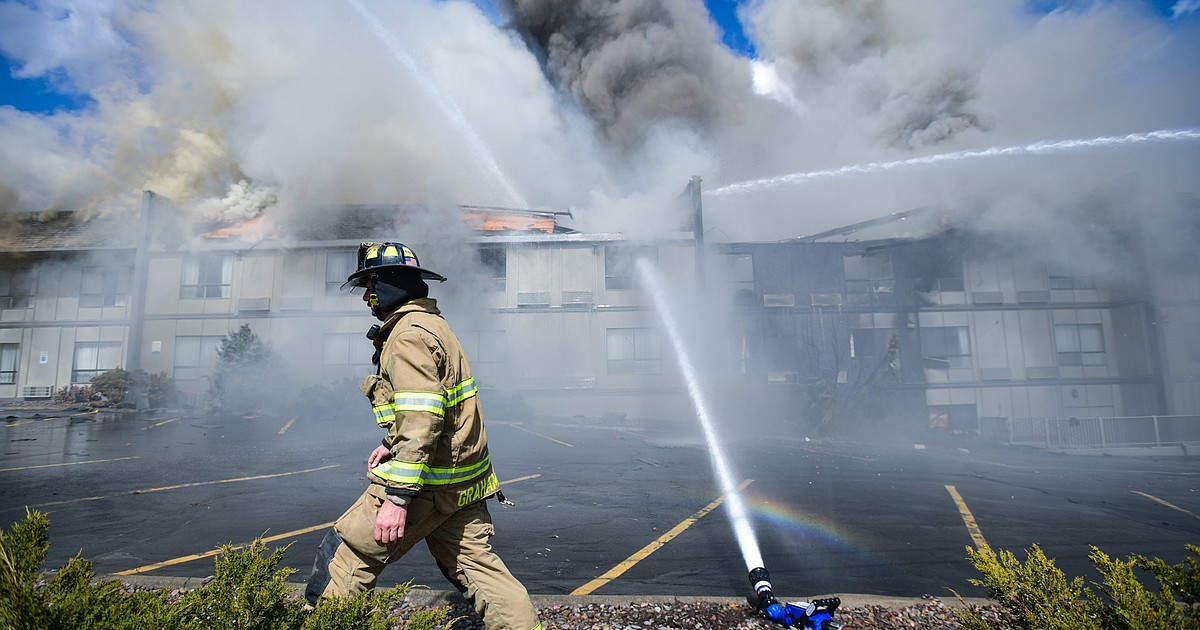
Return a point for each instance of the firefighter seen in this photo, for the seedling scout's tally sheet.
(431, 476)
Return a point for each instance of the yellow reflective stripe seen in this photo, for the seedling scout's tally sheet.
(461, 392)
(420, 401)
(399, 471)
(384, 414)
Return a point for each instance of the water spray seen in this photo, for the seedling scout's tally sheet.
(1037, 148)
(817, 614)
(476, 148)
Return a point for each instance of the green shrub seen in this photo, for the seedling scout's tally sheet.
(248, 592)
(1037, 596)
(160, 389)
(114, 384)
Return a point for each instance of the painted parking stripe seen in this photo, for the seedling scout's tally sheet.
(159, 424)
(186, 485)
(544, 437)
(658, 543)
(208, 554)
(1166, 503)
(968, 519)
(287, 426)
(92, 461)
(291, 534)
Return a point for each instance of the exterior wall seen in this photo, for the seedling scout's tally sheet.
(541, 331)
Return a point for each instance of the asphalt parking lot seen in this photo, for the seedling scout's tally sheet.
(605, 510)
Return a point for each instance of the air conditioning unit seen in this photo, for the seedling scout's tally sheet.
(254, 304)
(779, 300)
(576, 299)
(37, 391)
(533, 299)
(826, 299)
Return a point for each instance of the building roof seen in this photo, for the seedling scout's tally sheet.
(65, 231)
(68, 230)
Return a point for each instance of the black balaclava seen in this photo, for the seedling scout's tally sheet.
(392, 290)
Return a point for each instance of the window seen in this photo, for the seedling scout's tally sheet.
(93, 358)
(1079, 344)
(484, 346)
(953, 418)
(1059, 278)
(206, 277)
(947, 347)
(346, 355)
(338, 267)
(620, 265)
(16, 288)
(633, 351)
(741, 274)
(494, 261)
(9, 357)
(195, 356)
(104, 286)
(869, 274)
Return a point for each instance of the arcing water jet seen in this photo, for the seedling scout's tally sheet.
(475, 145)
(817, 614)
(1037, 148)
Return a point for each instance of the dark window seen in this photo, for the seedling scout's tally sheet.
(93, 358)
(10, 354)
(494, 260)
(338, 267)
(16, 288)
(1079, 344)
(206, 277)
(104, 286)
(620, 265)
(946, 347)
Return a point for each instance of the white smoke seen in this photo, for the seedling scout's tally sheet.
(606, 108)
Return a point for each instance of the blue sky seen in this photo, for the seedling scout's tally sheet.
(39, 95)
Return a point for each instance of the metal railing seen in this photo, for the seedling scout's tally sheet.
(1084, 433)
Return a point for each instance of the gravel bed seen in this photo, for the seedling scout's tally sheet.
(931, 615)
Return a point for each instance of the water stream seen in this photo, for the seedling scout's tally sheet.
(738, 515)
(478, 151)
(1037, 148)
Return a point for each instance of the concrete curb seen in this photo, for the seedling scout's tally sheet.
(429, 597)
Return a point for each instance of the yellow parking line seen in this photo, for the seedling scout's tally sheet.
(159, 424)
(94, 461)
(545, 437)
(628, 563)
(208, 554)
(17, 423)
(1166, 503)
(968, 519)
(297, 532)
(189, 485)
(287, 426)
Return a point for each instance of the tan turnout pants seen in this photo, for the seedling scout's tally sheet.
(459, 542)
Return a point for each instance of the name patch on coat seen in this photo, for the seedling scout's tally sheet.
(481, 489)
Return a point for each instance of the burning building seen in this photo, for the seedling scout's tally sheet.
(829, 332)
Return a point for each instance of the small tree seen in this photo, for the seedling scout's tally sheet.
(245, 377)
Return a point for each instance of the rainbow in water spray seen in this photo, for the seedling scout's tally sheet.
(1037, 148)
(738, 515)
